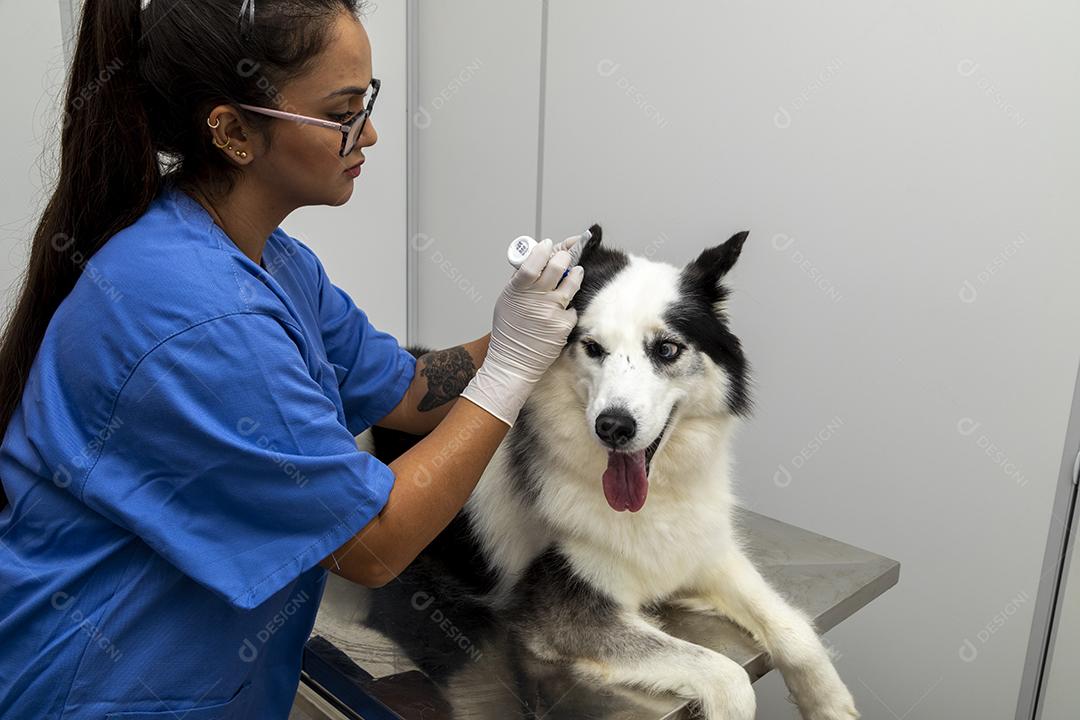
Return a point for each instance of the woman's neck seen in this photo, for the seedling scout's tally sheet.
(246, 217)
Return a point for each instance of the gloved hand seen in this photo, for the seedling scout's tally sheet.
(530, 325)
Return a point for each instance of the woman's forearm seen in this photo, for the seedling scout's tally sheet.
(433, 479)
(440, 377)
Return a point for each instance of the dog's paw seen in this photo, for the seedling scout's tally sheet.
(836, 704)
(733, 700)
(820, 693)
(847, 712)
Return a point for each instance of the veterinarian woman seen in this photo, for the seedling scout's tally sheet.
(181, 383)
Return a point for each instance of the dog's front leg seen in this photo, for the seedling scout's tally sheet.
(561, 617)
(629, 651)
(734, 588)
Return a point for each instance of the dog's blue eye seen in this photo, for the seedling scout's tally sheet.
(669, 350)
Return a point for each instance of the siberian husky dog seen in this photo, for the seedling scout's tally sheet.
(611, 494)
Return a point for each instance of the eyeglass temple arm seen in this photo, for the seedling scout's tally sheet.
(293, 116)
(343, 127)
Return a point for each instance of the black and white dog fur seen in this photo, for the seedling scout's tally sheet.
(611, 494)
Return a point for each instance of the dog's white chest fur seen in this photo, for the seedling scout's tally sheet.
(633, 558)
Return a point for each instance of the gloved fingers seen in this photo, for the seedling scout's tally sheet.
(574, 246)
(534, 264)
(556, 266)
(570, 285)
(567, 244)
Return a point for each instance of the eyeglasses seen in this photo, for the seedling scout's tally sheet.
(350, 130)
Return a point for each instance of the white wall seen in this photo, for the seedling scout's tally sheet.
(476, 138)
(32, 75)
(883, 156)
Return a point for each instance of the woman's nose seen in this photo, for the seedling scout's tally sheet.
(369, 136)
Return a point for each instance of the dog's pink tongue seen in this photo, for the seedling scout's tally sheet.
(625, 484)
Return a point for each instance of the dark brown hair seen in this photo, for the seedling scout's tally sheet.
(137, 96)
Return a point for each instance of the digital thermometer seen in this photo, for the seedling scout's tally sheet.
(521, 246)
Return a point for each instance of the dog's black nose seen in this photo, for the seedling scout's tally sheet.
(616, 428)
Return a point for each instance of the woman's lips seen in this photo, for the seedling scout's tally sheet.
(355, 169)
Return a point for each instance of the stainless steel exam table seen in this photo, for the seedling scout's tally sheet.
(413, 653)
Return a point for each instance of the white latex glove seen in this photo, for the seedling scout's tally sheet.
(529, 329)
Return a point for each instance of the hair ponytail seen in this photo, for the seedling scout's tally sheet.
(108, 176)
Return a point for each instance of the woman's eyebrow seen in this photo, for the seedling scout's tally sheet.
(349, 90)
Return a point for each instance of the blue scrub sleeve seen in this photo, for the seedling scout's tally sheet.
(374, 371)
(225, 456)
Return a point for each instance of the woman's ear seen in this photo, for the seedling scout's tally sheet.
(229, 135)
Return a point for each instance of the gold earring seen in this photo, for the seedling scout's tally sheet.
(221, 146)
(216, 125)
(241, 153)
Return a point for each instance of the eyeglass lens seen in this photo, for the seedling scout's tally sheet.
(358, 127)
(354, 134)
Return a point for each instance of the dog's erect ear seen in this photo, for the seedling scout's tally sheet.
(601, 264)
(717, 261)
(596, 234)
(710, 267)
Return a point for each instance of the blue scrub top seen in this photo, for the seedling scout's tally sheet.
(182, 458)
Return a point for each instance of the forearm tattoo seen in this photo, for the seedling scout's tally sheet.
(447, 373)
